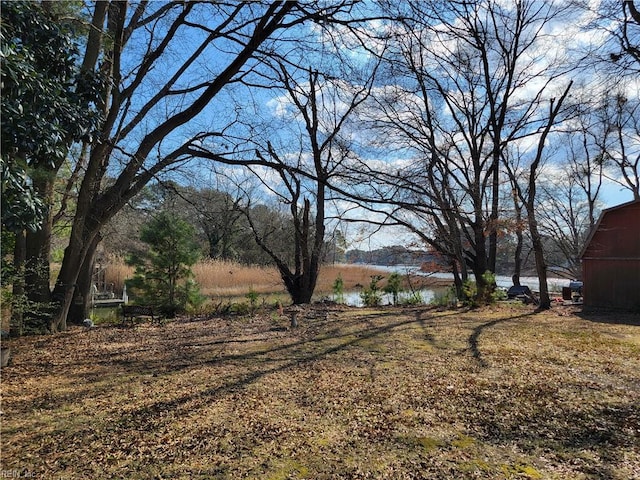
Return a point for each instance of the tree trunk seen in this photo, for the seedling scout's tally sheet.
(38, 243)
(480, 263)
(63, 293)
(37, 269)
(457, 279)
(493, 219)
(17, 299)
(538, 248)
(81, 305)
(541, 267)
(517, 257)
(38, 250)
(297, 290)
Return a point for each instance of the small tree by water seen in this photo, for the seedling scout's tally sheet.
(394, 286)
(371, 295)
(338, 289)
(163, 276)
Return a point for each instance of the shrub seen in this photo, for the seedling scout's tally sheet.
(394, 286)
(371, 295)
(445, 299)
(338, 289)
(471, 297)
(252, 296)
(415, 298)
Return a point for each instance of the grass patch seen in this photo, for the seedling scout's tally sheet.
(388, 393)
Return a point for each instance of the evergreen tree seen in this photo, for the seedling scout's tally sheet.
(163, 275)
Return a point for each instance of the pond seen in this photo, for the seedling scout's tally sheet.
(353, 299)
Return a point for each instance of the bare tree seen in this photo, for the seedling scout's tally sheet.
(564, 221)
(527, 192)
(619, 144)
(165, 64)
(628, 36)
(459, 93)
(321, 105)
(613, 42)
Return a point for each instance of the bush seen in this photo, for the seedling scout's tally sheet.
(252, 296)
(472, 298)
(446, 299)
(415, 298)
(371, 295)
(338, 289)
(394, 286)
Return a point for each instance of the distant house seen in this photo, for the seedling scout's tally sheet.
(611, 259)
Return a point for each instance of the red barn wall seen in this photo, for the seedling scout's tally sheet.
(611, 260)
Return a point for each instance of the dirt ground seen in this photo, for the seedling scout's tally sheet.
(387, 393)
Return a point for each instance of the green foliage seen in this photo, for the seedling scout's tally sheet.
(21, 206)
(445, 299)
(371, 295)
(472, 297)
(27, 316)
(394, 286)
(106, 316)
(469, 293)
(252, 296)
(47, 104)
(163, 275)
(489, 279)
(415, 298)
(338, 289)
(240, 308)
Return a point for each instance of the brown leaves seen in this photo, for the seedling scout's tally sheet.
(495, 393)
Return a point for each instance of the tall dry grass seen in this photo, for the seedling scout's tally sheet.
(221, 278)
(117, 271)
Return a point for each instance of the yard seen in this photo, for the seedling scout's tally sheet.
(388, 393)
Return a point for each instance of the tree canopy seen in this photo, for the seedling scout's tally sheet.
(46, 104)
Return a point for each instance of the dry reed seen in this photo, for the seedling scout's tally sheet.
(222, 278)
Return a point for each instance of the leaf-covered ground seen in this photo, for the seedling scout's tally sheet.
(496, 393)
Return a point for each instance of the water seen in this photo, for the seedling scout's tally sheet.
(353, 299)
(555, 284)
(428, 294)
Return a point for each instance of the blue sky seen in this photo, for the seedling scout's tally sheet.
(267, 109)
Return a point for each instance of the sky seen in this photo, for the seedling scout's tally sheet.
(271, 111)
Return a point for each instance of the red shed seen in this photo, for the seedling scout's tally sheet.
(611, 259)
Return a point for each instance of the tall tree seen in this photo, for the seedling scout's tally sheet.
(166, 63)
(47, 105)
(527, 190)
(465, 82)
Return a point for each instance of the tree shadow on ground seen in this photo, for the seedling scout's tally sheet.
(473, 340)
(550, 428)
(594, 437)
(291, 353)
